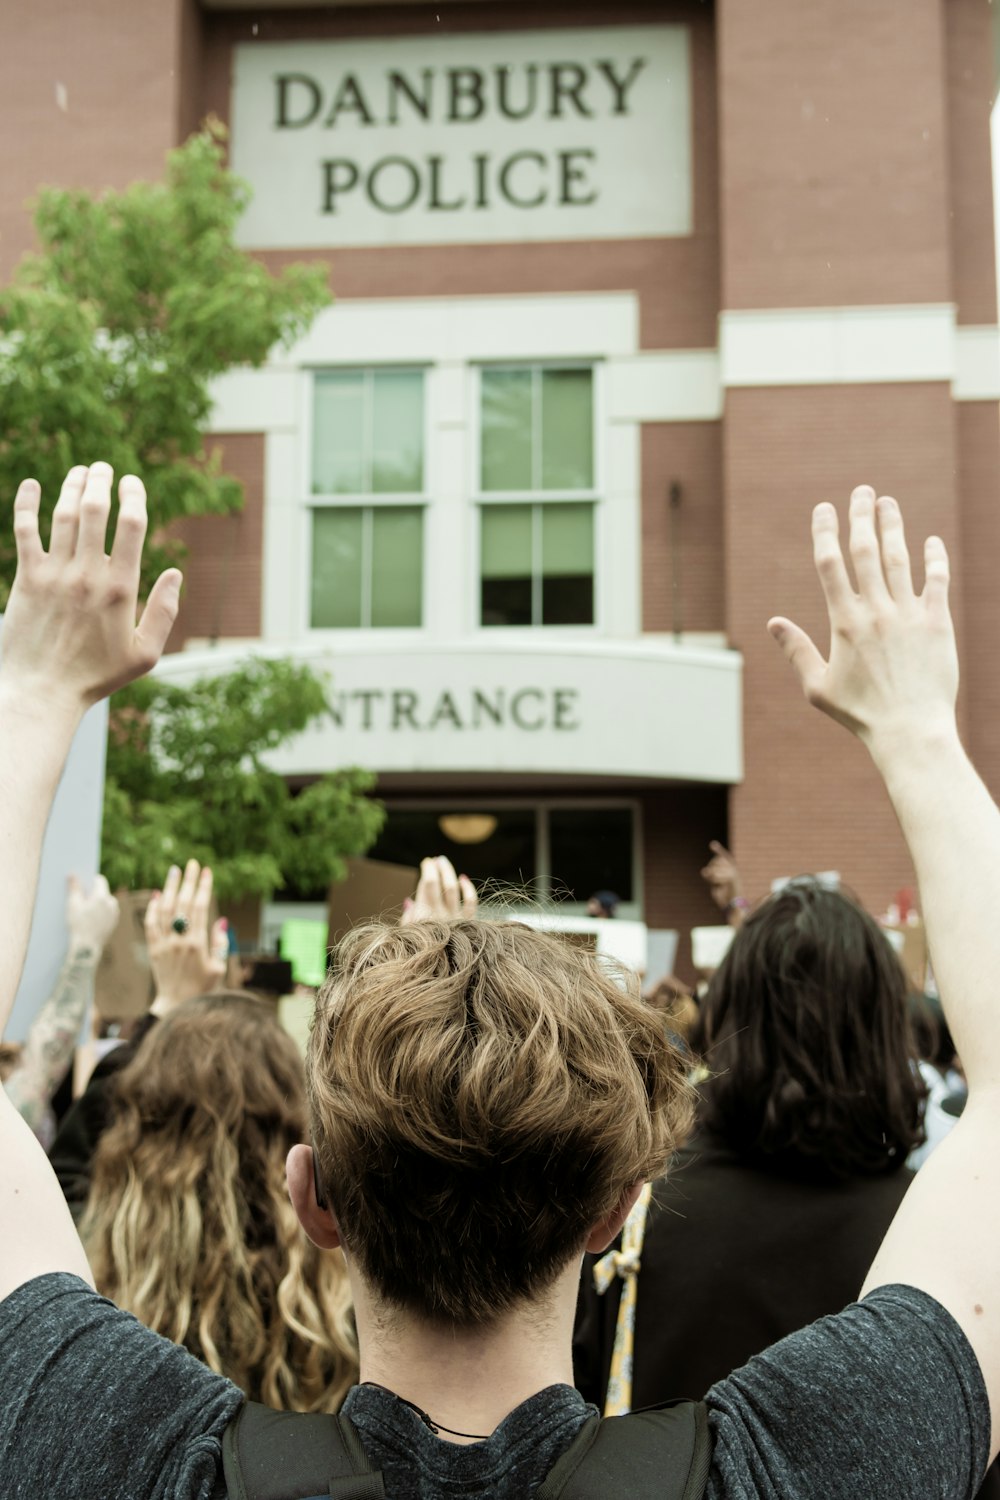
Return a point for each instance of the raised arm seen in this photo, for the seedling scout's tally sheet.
(892, 679)
(70, 638)
(91, 918)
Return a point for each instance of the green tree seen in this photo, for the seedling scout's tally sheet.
(187, 777)
(111, 334)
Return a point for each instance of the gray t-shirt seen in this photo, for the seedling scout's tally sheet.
(884, 1399)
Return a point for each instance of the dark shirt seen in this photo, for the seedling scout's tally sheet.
(735, 1257)
(884, 1399)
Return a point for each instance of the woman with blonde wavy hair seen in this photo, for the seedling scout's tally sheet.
(188, 1223)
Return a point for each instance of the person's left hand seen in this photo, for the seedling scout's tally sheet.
(91, 918)
(70, 633)
(186, 956)
(441, 895)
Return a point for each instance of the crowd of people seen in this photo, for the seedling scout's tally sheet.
(512, 1227)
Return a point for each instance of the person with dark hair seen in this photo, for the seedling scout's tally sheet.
(602, 904)
(487, 1103)
(771, 1215)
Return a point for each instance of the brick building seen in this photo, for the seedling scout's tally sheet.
(615, 306)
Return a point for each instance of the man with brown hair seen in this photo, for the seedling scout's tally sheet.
(486, 1105)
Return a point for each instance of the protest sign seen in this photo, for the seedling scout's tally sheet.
(372, 890)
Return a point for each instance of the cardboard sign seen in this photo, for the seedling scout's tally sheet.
(124, 986)
(372, 890)
(910, 942)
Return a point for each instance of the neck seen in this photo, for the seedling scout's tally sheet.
(469, 1379)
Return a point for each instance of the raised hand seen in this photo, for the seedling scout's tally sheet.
(90, 916)
(70, 632)
(722, 877)
(441, 895)
(187, 954)
(893, 667)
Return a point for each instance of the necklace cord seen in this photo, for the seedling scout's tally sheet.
(435, 1427)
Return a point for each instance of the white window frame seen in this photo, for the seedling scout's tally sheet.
(366, 503)
(482, 498)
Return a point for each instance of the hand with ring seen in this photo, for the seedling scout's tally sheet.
(187, 957)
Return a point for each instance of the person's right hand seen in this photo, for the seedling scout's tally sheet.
(192, 961)
(722, 877)
(892, 675)
(70, 633)
(441, 895)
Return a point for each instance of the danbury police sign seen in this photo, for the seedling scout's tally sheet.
(480, 138)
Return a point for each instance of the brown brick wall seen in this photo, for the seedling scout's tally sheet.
(118, 65)
(833, 152)
(970, 98)
(677, 280)
(811, 799)
(678, 825)
(979, 484)
(691, 453)
(223, 570)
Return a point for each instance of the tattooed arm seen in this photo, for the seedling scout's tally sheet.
(49, 1048)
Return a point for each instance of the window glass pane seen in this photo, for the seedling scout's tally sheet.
(506, 564)
(397, 565)
(567, 430)
(505, 858)
(591, 850)
(506, 430)
(397, 432)
(567, 564)
(338, 466)
(336, 568)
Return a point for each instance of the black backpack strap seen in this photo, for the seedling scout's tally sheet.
(649, 1455)
(272, 1455)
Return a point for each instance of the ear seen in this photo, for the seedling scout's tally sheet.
(610, 1226)
(318, 1223)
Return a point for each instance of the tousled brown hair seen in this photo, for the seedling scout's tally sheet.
(188, 1224)
(481, 1095)
(806, 1033)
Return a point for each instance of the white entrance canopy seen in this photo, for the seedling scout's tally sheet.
(642, 709)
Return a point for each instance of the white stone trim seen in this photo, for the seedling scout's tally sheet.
(672, 385)
(977, 363)
(837, 345)
(646, 708)
(425, 330)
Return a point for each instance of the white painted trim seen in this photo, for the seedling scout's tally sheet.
(837, 345)
(977, 363)
(671, 385)
(423, 330)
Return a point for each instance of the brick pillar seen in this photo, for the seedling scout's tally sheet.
(98, 92)
(836, 193)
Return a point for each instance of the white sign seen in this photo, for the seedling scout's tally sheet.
(620, 939)
(472, 139)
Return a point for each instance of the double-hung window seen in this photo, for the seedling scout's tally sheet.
(537, 495)
(367, 490)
